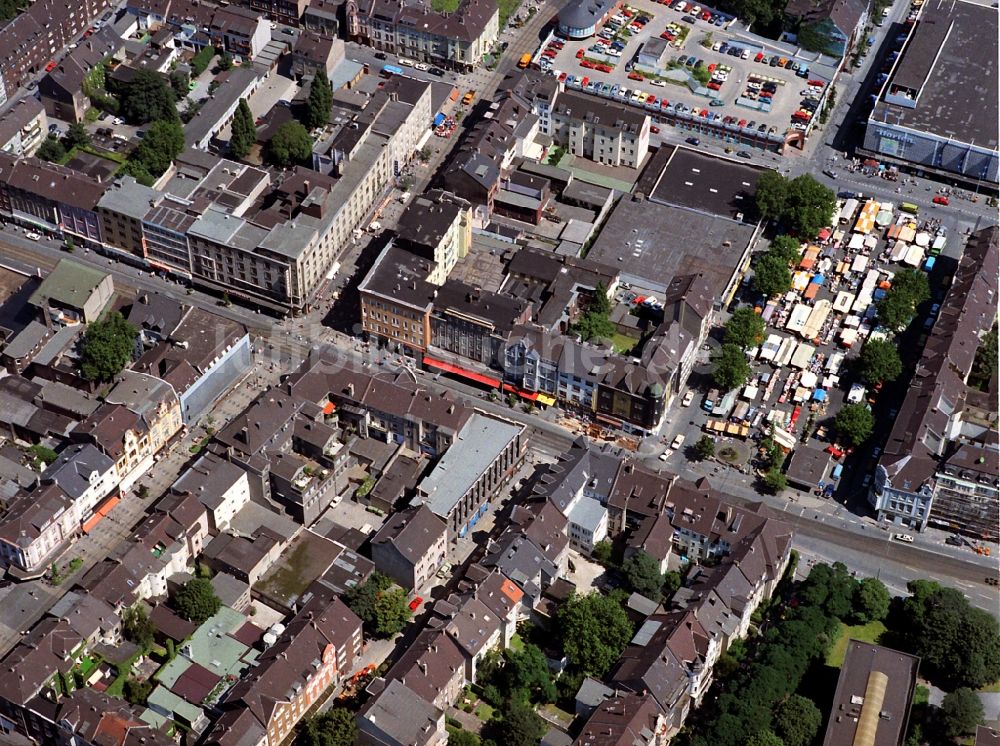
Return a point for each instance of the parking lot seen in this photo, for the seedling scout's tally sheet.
(649, 55)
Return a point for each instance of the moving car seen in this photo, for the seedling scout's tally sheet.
(903, 537)
(678, 441)
(688, 398)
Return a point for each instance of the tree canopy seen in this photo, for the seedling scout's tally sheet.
(959, 645)
(335, 727)
(909, 289)
(961, 711)
(704, 448)
(786, 247)
(764, 738)
(147, 98)
(880, 361)
(77, 134)
(642, 573)
(731, 367)
(594, 630)
(871, 601)
(802, 204)
(526, 671)
(745, 328)
(290, 145)
(164, 141)
(107, 347)
(854, 423)
(196, 600)
(320, 100)
(797, 721)
(51, 150)
(771, 276)
(518, 725)
(244, 133)
(381, 607)
(137, 628)
(594, 323)
(774, 481)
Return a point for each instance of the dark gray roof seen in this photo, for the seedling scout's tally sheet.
(73, 469)
(402, 715)
(412, 531)
(584, 13)
(599, 111)
(707, 183)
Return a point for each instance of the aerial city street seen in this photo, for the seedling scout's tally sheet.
(499, 372)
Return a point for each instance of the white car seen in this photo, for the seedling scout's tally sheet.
(118, 121)
(663, 456)
(688, 398)
(903, 537)
(33, 236)
(423, 66)
(677, 442)
(658, 83)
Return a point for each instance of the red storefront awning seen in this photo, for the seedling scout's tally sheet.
(528, 395)
(470, 374)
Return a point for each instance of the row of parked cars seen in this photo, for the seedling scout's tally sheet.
(696, 12)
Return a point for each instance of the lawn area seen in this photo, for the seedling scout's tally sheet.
(507, 9)
(483, 711)
(992, 688)
(868, 632)
(516, 643)
(445, 6)
(623, 344)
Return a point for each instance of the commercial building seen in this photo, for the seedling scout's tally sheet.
(472, 473)
(456, 40)
(598, 130)
(937, 112)
(72, 293)
(581, 18)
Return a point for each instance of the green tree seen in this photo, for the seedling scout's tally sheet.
(803, 204)
(771, 276)
(336, 727)
(958, 645)
(909, 289)
(880, 361)
(731, 367)
(602, 552)
(77, 135)
(200, 62)
(770, 195)
(43, 454)
(786, 247)
(797, 721)
(527, 671)
(225, 63)
(137, 628)
(107, 347)
(459, 737)
(51, 150)
(831, 588)
(642, 574)
(775, 481)
(196, 600)
(180, 82)
(764, 738)
(671, 582)
(745, 328)
(244, 131)
(290, 145)
(871, 601)
(594, 630)
(854, 423)
(137, 691)
(519, 725)
(595, 323)
(148, 98)
(815, 37)
(320, 101)
(381, 607)
(704, 448)
(164, 141)
(961, 711)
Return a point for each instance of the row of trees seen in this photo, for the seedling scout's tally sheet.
(771, 272)
(909, 289)
(758, 705)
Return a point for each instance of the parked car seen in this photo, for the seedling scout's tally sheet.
(688, 398)
(693, 141)
(677, 442)
(903, 537)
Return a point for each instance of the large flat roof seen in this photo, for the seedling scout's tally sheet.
(950, 62)
(709, 184)
(655, 242)
(477, 446)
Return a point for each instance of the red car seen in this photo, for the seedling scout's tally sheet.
(654, 129)
(940, 200)
(634, 76)
(758, 57)
(706, 15)
(51, 66)
(562, 77)
(584, 82)
(579, 54)
(715, 86)
(834, 451)
(588, 64)
(605, 68)
(651, 100)
(415, 603)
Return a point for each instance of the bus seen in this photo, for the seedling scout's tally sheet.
(524, 61)
(909, 207)
(390, 70)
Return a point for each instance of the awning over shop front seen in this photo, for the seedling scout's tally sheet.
(456, 370)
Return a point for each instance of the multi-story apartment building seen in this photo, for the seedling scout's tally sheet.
(23, 127)
(323, 17)
(396, 300)
(936, 467)
(599, 130)
(121, 210)
(36, 35)
(241, 32)
(456, 40)
(437, 226)
(318, 649)
(288, 12)
(36, 526)
(411, 547)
